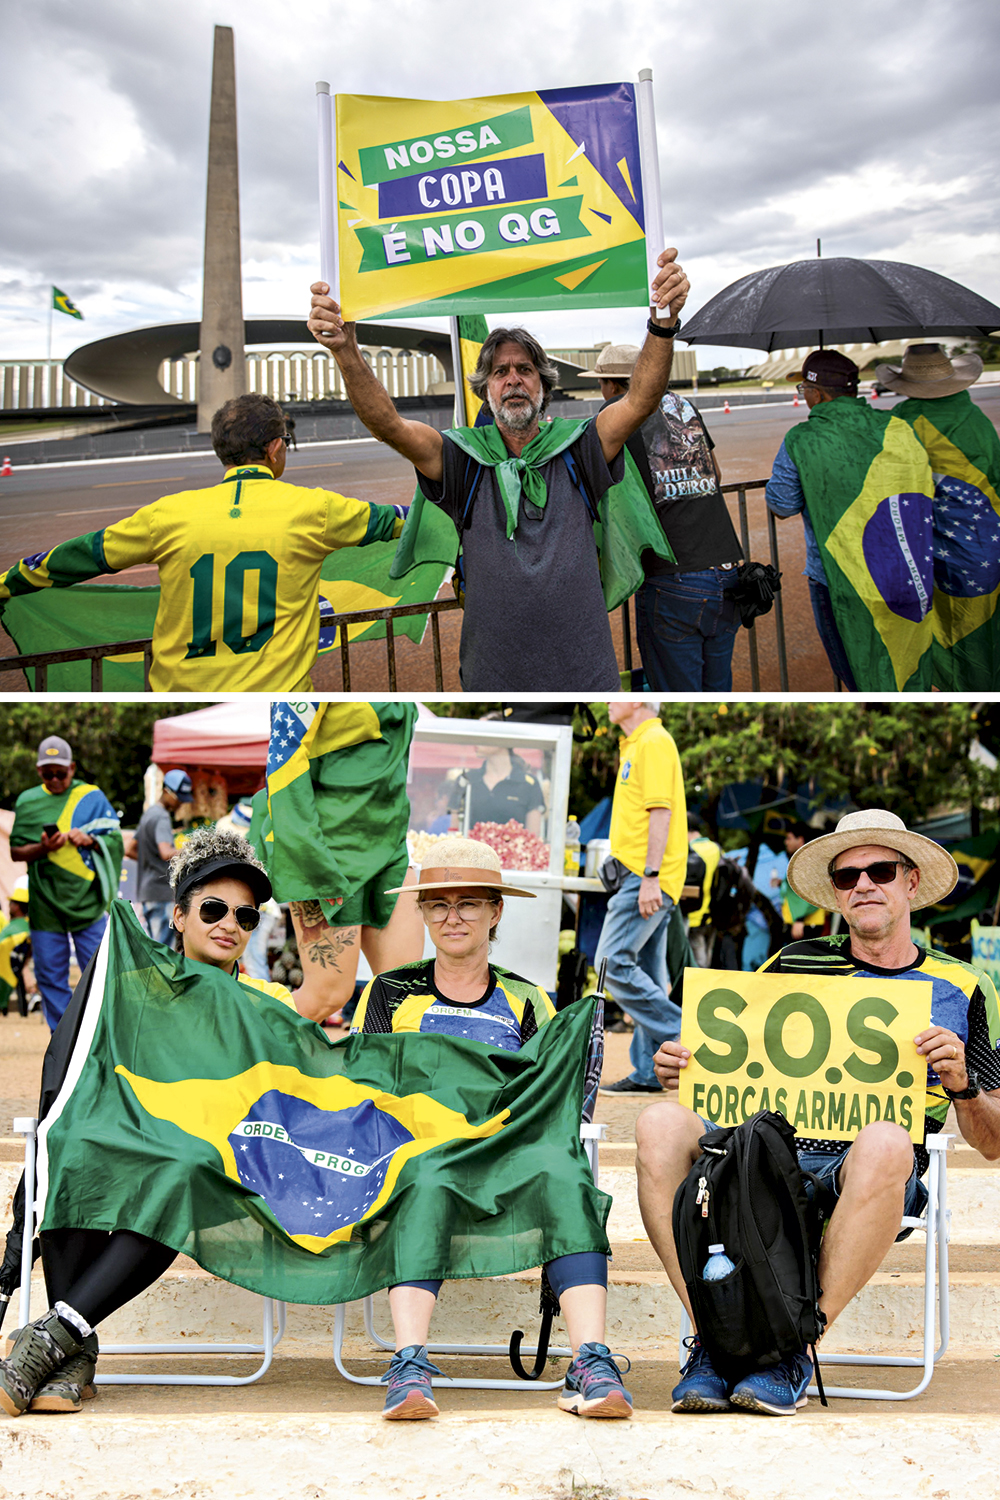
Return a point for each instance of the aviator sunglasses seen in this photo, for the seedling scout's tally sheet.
(213, 909)
(883, 872)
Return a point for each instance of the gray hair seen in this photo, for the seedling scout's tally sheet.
(548, 374)
(204, 847)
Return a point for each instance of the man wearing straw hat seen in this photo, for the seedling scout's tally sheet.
(685, 624)
(875, 873)
(964, 451)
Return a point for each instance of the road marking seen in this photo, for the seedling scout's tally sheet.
(102, 510)
(336, 463)
(160, 458)
(116, 484)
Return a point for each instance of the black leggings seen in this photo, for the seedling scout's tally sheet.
(97, 1273)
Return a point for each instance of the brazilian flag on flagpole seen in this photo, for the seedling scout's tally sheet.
(331, 823)
(61, 303)
(12, 935)
(869, 494)
(472, 335)
(207, 1115)
(964, 451)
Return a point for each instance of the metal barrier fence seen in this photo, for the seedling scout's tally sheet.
(40, 662)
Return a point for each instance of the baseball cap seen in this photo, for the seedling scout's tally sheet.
(827, 367)
(178, 782)
(54, 752)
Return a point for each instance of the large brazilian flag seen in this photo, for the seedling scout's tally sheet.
(213, 1118)
(90, 614)
(869, 494)
(964, 451)
(472, 335)
(332, 821)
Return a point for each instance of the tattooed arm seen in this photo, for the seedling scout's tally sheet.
(329, 961)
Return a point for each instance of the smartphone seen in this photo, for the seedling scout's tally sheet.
(50, 830)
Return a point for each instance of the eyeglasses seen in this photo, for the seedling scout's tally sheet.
(467, 911)
(52, 773)
(800, 388)
(883, 872)
(213, 909)
(286, 438)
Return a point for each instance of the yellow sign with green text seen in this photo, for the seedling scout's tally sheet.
(506, 204)
(831, 1055)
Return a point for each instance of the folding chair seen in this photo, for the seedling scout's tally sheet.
(935, 1224)
(590, 1136)
(272, 1311)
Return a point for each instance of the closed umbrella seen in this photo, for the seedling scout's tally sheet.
(840, 301)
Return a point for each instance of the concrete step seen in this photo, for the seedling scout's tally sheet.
(643, 1312)
(304, 1434)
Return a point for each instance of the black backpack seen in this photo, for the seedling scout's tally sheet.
(694, 875)
(747, 1192)
(732, 896)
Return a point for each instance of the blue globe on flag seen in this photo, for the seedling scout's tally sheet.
(898, 549)
(966, 539)
(317, 1170)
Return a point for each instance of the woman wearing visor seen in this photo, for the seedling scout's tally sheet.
(219, 886)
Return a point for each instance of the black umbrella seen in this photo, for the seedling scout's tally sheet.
(840, 301)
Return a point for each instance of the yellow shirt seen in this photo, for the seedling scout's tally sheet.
(649, 775)
(277, 991)
(239, 567)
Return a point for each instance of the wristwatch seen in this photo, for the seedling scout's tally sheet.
(649, 871)
(972, 1092)
(662, 331)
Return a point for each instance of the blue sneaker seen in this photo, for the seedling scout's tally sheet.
(778, 1392)
(700, 1387)
(409, 1397)
(593, 1385)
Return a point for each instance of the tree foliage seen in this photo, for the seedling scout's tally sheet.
(112, 743)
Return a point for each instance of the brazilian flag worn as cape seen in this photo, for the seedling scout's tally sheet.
(333, 817)
(626, 524)
(869, 493)
(964, 451)
(211, 1117)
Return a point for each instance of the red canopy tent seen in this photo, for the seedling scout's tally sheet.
(228, 737)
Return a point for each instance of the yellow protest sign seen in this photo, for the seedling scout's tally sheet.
(504, 204)
(831, 1055)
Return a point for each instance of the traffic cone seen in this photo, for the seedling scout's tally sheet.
(6, 469)
(874, 394)
(796, 401)
(725, 409)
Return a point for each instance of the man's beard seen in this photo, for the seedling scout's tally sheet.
(519, 418)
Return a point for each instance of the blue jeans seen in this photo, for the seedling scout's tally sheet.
(687, 630)
(156, 915)
(636, 950)
(50, 952)
(826, 625)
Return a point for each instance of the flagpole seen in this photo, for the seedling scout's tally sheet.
(327, 183)
(649, 168)
(48, 362)
(461, 417)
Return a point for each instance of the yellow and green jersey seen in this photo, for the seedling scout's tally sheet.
(268, 987)
(407, 999)
(962, 999)
(239, 567)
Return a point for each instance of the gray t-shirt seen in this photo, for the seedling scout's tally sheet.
(535, 618)
(154, 828)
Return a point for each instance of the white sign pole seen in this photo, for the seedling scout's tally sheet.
(649, 166)
(461, 418)
(327, 192)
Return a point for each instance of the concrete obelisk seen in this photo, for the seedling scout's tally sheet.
(222, 365)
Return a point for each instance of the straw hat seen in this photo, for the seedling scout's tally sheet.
(808, 866)
(615, 362)
(462, 862)
(927, 371)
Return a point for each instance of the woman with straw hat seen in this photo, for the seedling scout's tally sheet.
(460, 993)
(964, 451)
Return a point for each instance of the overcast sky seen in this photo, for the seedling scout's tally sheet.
(873, 126)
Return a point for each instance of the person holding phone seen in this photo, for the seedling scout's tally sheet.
(68, 832)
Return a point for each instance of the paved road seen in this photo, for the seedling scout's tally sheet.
(41, 505)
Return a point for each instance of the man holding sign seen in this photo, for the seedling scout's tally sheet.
(536, 616)
(875, 872)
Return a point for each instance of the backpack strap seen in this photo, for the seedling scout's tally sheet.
(576, 479)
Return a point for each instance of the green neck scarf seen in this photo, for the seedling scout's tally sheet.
(517, 476)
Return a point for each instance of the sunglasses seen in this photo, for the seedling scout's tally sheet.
(883, 872)
(213, 909)
(52, 773)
